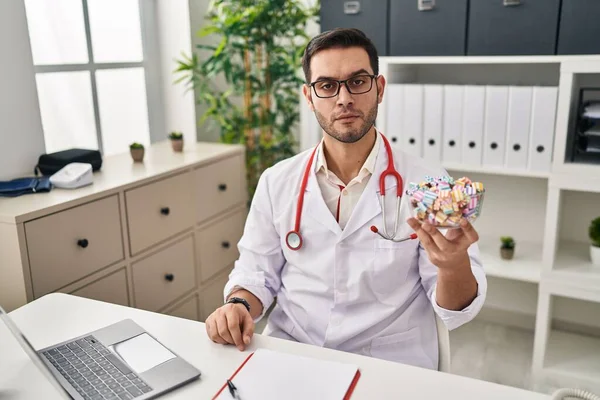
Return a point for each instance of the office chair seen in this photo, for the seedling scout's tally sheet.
(443, 345)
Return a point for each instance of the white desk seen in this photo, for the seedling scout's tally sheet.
(57, 317)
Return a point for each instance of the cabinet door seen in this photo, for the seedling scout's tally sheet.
(512, 27)
(427, 28)
(371, 17)
(579, 31)
(188, 309)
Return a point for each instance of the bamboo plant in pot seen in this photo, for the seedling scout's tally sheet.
(137, 151)
(258, 53)
(507, 249)
(594, 233)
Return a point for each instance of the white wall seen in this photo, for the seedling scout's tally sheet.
(175, 37)
(21, 134)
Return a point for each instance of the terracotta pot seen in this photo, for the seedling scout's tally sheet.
(177, 145)
(506, 253)
(137, 154)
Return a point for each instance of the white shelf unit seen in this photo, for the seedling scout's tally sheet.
(548, 217)
(551, 273)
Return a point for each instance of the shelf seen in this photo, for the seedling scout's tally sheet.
(585, 178)
(495, 60)
(573, 265)
(497, 170)
(526, 265)
(573, 356)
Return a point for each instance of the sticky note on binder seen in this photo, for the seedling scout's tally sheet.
(271, 375)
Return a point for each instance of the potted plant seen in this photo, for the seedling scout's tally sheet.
(137, 151)
(507, 249)
(594, 232)
(176, 141)
(255, 47)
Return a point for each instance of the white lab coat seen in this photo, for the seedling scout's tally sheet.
(349, 290)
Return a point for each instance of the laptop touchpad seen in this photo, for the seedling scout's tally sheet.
(142, 352)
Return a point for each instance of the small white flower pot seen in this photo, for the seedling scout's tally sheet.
(595, 255)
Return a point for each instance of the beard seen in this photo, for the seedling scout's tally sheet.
(349, 134)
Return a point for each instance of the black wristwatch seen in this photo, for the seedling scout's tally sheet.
(236, 300)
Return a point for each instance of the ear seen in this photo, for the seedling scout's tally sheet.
(380, 88)
(308, 96)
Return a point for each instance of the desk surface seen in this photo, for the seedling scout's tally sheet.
(58, 317)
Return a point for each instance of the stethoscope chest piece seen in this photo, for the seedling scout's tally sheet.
(293, 240)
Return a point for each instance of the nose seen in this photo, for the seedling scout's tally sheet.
(344, 96)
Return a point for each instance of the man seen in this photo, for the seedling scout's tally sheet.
(346, 287)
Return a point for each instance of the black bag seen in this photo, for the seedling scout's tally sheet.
(49, 164)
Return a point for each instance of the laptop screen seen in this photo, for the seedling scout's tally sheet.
(28, 348)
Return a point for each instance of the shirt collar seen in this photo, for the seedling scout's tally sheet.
(367, 168)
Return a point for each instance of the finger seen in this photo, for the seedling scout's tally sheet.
(468, 230)
(247, 328)
(223, 329)
(455, 235)
(424, 237)
(440, 240)
(233, 324)
(211, 329)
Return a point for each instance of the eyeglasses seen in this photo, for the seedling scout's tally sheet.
(357, 84)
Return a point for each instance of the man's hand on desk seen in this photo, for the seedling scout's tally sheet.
(231, 324)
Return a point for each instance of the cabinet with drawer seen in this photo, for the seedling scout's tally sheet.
(111, 289)
(164, 276)
(187, 309)
(151, 235)
(158, 210)
(216, 244)
(428, 28)
(75, 242)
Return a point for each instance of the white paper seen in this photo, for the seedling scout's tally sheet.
(142, 352)
(270, 375)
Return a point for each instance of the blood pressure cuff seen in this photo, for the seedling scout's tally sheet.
(20, 186)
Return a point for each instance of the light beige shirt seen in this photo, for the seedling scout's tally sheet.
(341, 199)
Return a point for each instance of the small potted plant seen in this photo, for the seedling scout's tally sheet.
(594, 232)
(507, 249)
(176, 141)
(137, 151)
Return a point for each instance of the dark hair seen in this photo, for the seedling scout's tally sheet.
(339, 38)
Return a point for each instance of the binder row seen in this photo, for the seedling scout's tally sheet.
(474, 125)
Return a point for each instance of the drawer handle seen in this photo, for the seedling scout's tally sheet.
(351, 7)
(512, 3)
(83, 243)
(225, 245)
(426, 5)
(169, 277)
(517, 147)
(222, 187)
(165, 211)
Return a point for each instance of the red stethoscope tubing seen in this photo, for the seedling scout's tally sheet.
(295, 235)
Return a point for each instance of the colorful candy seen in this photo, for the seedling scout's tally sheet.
(444, 201)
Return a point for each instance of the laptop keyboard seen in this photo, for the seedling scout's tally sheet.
(95, 372)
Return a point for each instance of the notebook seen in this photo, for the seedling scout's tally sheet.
(271, 375)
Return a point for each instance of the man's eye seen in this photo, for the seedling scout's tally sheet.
(358, 82)
(326, 86)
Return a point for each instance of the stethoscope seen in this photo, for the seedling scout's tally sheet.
(294, 239)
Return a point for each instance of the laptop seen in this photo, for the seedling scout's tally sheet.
(119, 361)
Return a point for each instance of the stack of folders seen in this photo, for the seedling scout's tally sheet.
(590, 129)
(474, 125)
